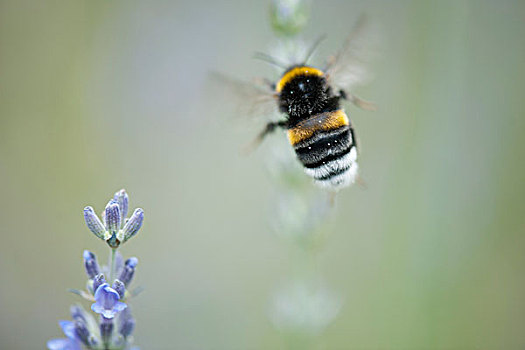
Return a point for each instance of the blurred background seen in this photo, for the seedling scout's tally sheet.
(100, 95)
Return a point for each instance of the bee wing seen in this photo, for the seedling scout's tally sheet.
(255, 100)
(346, 69)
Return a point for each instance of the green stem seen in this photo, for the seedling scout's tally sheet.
(112, 268)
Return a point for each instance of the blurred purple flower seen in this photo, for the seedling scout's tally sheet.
(106, 329)
(107, 302)
(72, 342)
(126, 322)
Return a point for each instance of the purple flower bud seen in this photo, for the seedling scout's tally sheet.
(82, 332)
(106, 329)
(127, 328)
(68, 328)
(107, 302)
(70, 343)
(112, 217)
(103, 216)
(120, 288)
(91, 265)
(133, 225)
(126, 322)
(77, 313)
(128, 271)
(81, 320)
(122, 199)
(98, 281)
(64, 344)
(93, 223)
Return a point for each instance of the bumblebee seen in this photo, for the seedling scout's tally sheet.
(318, 127)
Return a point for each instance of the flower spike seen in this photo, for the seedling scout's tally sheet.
(113, 327)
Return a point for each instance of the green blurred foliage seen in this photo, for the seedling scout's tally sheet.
(100, 95)
(289, 17)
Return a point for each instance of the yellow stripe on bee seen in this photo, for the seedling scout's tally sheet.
(292, 73)
(324, 121)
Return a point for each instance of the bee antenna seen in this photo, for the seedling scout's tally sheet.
(268, 59)
(314, 47)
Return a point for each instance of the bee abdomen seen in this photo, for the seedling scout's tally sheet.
(329, 156)
(336, 173)
(327, 147)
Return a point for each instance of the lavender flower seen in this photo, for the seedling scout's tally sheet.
(120, 288)
(126, 323)
(72, 342)
(115, 326)
(122, 199)
(94, 224)
(107, 301)
(114, 228)
(128, 271)
(91, 265)
(134, 224)
(98, 281)
(106, 329)
(79, 332)
(112, 215)
(82, 332)
(77, 312)
(85, 325)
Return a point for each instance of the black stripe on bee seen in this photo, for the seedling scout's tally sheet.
(331, 159)
(319, 135)
(337, 172)
(325, 149)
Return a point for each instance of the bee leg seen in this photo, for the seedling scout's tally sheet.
(270, 127)
(331, 198)
(265, 82)
(330, 62)
(361, 182)
(363, 104)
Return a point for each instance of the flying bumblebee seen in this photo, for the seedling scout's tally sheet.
(310, 99)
